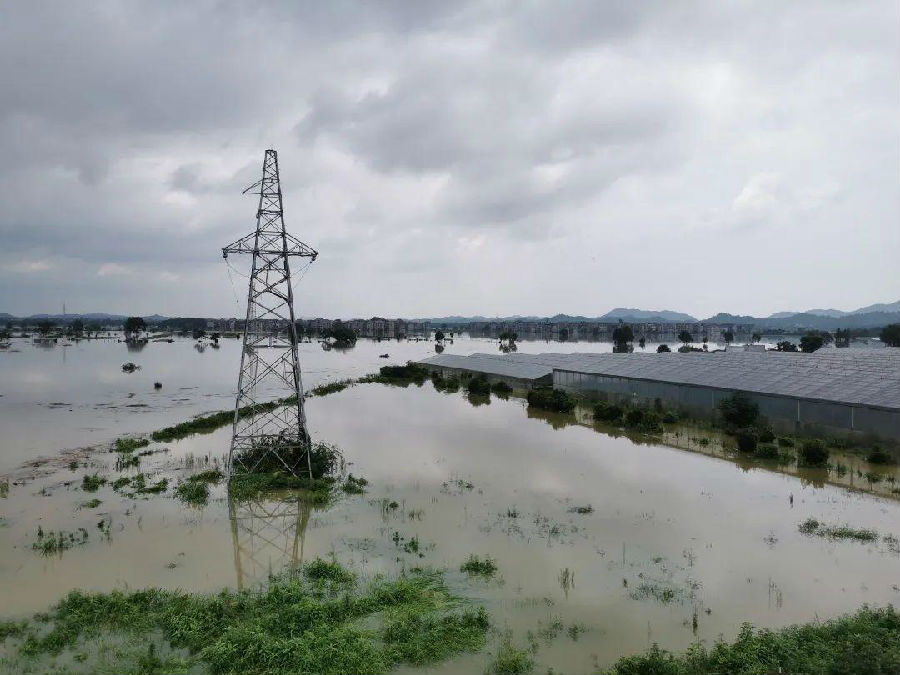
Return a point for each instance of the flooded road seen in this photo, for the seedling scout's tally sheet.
(604, 544)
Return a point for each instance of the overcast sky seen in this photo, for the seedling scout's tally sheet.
(448, 157)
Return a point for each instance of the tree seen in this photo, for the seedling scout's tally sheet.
(623, 334)
(78, 326)
(842, 338)
(756, 337)
(343, 336)
(811, 342)
(134, 324)
(728, 336)
(642, 342)
(684, 337)
(890, 335)
(663, 348)
(45, 326)
(786, 346)
(439, 336)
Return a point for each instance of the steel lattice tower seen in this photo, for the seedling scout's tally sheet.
(267, 437)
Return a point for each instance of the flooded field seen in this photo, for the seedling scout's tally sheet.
(604, 544)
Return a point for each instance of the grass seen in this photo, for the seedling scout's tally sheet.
(92, 483)
(865, 642)
(662, 593)
(319, 621)
(482, 567)
(583, 509)
(51, 543)
(330, 388)
(126, 445)
(139, 486)
(511, 660)
(812, 526)
(91, 503)
(195, 490)
(551, 399)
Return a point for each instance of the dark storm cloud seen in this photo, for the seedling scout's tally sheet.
(445, 143)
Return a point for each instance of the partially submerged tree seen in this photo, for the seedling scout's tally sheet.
(343, 336)
(134, 324)
(811, 342)
(663, 348)
(786, 346)
(685, 337)
(728, 336)
(439, 336)
(890, 335)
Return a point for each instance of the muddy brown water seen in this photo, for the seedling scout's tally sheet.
(679, 546)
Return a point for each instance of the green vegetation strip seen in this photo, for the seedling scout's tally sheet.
(813, 526)
(865, 642)
(318, 621)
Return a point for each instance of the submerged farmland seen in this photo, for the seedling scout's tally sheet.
(582, 544)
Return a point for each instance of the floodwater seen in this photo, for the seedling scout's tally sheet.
(679, 546)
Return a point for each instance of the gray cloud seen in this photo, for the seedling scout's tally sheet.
(655, 154)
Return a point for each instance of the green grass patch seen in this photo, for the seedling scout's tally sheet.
(92, 483)
(319, 621)
(330, 388)
(51, 543)
(138, 485)
(811, 526)
(865, 642)
(482, 567)
(91, 503)
(206, 424)
(511, 660)
(125, 445)
(195, 489)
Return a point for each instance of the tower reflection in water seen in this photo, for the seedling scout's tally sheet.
(268, 536)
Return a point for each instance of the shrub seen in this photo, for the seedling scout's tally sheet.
(608, 412)
(643, 420)
(663, 349)
(879, 456)
(551, 399)
(785, 442)
(738, 411)
(670, 417)
(813, 453)
(746, 439)
(501, 389)
(479, 386)
(766, 435)
(767, 451)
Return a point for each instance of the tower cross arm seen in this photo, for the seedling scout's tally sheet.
(248, 244)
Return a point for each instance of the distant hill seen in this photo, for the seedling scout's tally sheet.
(91, 316)
(890, 307)
(659, 316)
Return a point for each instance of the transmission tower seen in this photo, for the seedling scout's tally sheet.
(270, 437)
